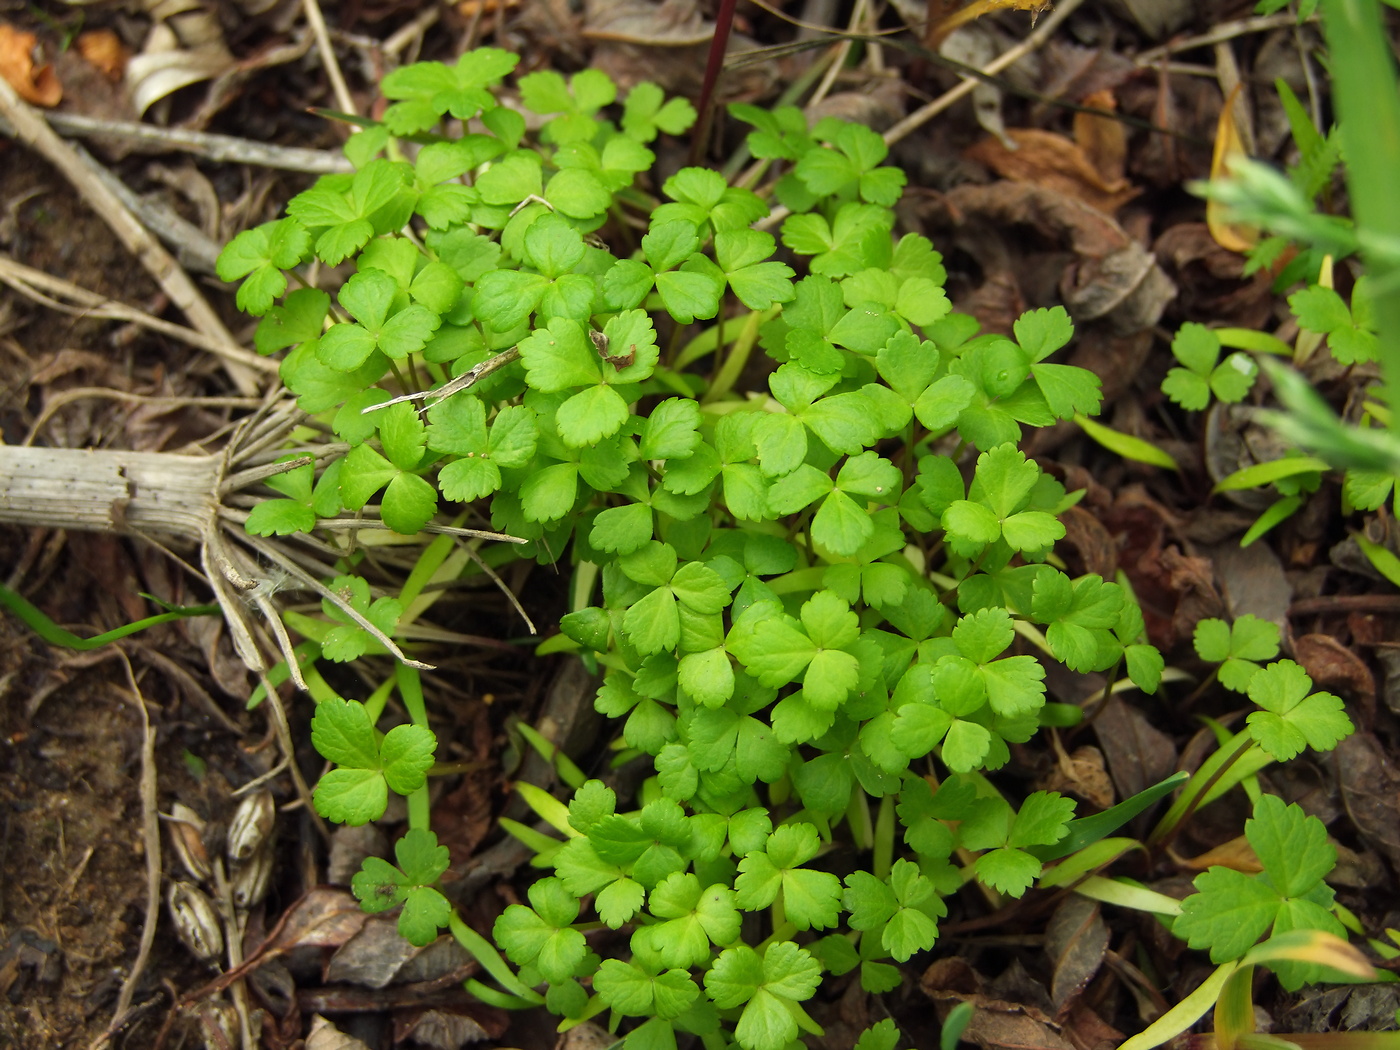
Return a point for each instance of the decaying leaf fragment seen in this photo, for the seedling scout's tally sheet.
(104, 50)
(38, 85)
(1054, 162)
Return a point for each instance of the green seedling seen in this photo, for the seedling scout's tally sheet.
(809, 619)
(1289, 717)
(1289, 904)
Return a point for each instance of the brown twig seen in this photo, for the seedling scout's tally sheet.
(1345, 603)
(317, 22)
(224, 149)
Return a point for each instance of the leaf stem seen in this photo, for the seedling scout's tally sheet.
(1165, 833)
(883, 860)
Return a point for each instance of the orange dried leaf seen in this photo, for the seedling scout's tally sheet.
(1236, 854)
(104, 49)
(1053, 161)
(1102, 139)
(1229, 146)
(938, 31)
(37, 85)
(473, 8)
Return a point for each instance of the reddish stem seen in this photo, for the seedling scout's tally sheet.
(714, 65)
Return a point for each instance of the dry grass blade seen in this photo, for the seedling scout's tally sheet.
(40, 287)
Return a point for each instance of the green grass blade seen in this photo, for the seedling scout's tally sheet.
(56, 635)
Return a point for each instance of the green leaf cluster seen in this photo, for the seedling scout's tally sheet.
(807, 601)
(1231, 911)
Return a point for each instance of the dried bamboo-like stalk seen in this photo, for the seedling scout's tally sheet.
(106, 490)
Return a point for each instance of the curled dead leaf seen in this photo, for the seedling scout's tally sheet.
(1044, 158)
(326, 1036)
(945, 17)
(1229, 147)
(104, 50)
(1080, 773)
(1331, 665)
(38, 85)
(996, 1022)
(1237, 854)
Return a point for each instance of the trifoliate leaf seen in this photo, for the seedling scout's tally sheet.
(810, 898)
(357, 791)
(768, 987)
(1293, 717)
(1239, 648)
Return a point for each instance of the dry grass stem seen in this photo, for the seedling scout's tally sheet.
(223, 149)
(33, 284)
(31, 129)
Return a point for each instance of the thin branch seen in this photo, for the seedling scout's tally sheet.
(1221, 33)
(271, 553)
(454, 386)
(260, 594)
(224, 149)
(444, 530)
(251, 476)
(67, 397)
(194, 248)
(150, 834)
(317, 21)
(501, 584)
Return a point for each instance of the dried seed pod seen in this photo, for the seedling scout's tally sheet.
(195, 920)
(187, 841)
(251, 878)
(251, 825)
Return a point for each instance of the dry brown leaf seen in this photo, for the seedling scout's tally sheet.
(1044, 158)
(373, 956)
(1331, 665)
(1370, 787)
(104, 49)
(1236, 854)
(37, 85)
(326, 1036)
(1103, 140)
(1075, 940)
(439, 1029)
(1139, 754)
(325, 917)
(995, 1022)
